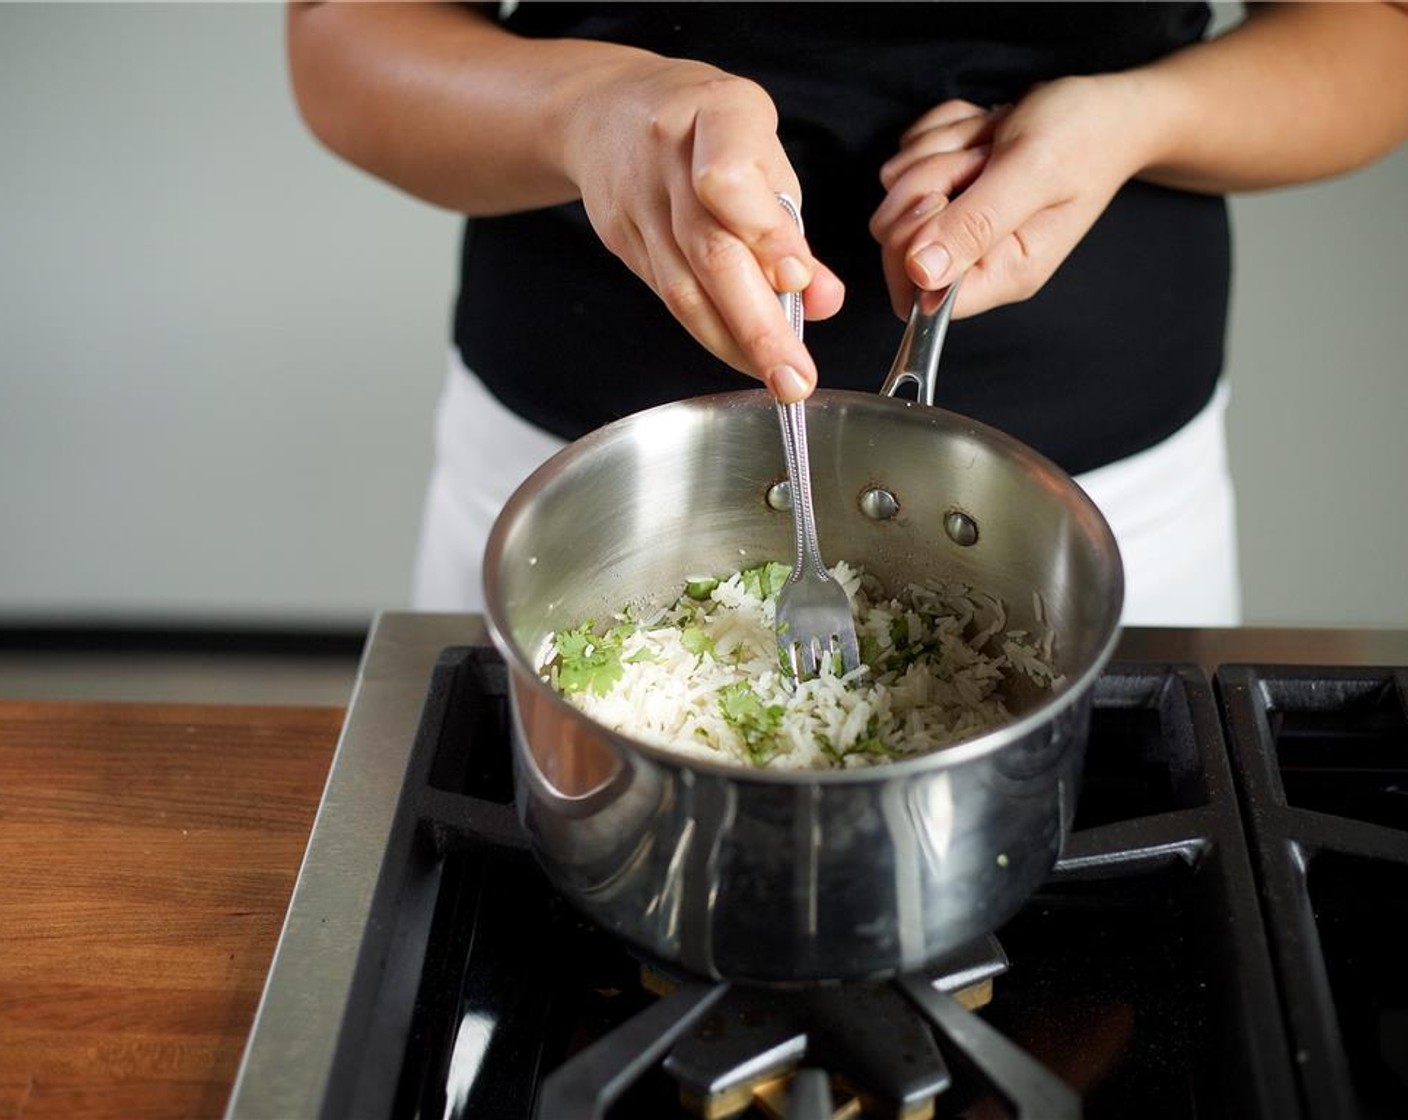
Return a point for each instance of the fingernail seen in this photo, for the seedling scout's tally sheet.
(932, 262)
(792, 274)
(787, 384)
(931, 203)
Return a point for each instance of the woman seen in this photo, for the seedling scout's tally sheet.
(1068, 161)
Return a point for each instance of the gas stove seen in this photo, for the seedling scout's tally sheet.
(1222, 937)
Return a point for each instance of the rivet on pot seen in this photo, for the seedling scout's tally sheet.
(878, 504)
(780, 496)
(962, 530)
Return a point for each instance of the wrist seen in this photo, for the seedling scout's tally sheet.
(1166, 115)
(577, 118)
(1155, 115)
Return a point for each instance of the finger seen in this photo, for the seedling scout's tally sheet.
(894, 242)
(670, 275)
(786, 370)
(971, 133)
(737, 169)
(912, 206)
(926, 187)
(660, 264)
(1019, 265)
(946, 112)
(824, 295)
(727, 273)
(997, 202)
(897, 282)
(990, 282)
(653, 255)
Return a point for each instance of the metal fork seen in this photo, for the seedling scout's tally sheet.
(814, 621)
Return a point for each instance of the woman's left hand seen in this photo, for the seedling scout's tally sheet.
(1001, 196)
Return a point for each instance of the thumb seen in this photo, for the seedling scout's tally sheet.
(953, 242)
(960, 235)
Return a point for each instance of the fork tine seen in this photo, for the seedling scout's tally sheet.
(850, 650)
(806, 657)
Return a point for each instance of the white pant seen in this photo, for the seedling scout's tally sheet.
(1171, 508)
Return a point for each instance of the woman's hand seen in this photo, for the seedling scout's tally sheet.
(1004, 195)
(679, 167)
(1001, 196)
(677, 162)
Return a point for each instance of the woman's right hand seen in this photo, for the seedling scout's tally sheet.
(677, 162)
(679, 167)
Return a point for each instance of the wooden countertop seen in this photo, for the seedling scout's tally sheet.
(147, 856)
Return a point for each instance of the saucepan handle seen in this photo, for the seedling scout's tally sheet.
(918, 357)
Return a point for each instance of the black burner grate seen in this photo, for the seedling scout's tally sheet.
(1321, 757)
(1140, 974)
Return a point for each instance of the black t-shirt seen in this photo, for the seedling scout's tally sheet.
(1119, 349)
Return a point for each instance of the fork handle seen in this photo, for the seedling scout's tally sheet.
(793, 421)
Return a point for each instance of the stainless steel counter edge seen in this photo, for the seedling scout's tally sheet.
(1210, 647)
(289, 1056)
(288, 1059)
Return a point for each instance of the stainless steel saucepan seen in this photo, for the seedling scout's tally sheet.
(791, 876)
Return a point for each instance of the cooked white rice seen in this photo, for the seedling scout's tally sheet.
(703, 676)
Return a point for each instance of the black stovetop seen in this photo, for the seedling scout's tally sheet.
(1223, 937)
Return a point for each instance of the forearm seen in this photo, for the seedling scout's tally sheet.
(441, 101)
(677, 163)
(1298, 92)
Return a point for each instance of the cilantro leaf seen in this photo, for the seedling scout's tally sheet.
(696, 641)
(756, 723)
(870, 650)
(765, 580)
(587, 660)
(700, 587)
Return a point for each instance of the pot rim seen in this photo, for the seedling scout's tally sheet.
(940, 758)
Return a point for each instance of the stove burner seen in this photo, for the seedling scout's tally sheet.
(869, 1036)
(730, 1047)
(1222, 937)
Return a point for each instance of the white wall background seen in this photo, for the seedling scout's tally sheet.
(220, 348)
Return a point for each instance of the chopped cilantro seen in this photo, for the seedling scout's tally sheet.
(587, 660)
(700, 589)
(874, 747)
(696, 641)
(693, 644)
(870, 650)
(904, 651)
(870, 744)
(757, 724)
(765, 580)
